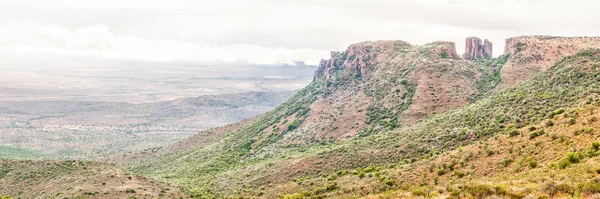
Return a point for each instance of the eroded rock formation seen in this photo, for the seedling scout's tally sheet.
(474, 49)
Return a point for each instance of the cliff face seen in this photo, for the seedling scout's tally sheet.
(358, 58)
(474, 49)
(532, 54)
(374, 85)
(354, 61)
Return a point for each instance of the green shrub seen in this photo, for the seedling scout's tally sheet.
(532, 128)
(361, 174)
(459, 174)
(535, 134)
(552, 188)
(444, 54)
(389, 182)
(573, 157)
(572, 121)
(441, 172)
(505, 162)
(130, 190)
(331, 186)
(514, 132)
(589, 187)
(564, 163)
(293, 196)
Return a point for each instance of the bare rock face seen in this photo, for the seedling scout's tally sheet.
(474, 49)
(487, 49)
(358, 58)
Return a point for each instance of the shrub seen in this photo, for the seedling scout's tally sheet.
(533, 164)
(564, 163)
(293, 196)
(532, 128)
(130, 190)
(535, 134)
(505, 162)
(361, 174)
(389, 182)
(596, 145)
(444, 54)
(459, 174)
(588, 130)
(549, 123)
(552, 188)
(589, 187)
(572, 121)
(573, 157)
(479, 191)
(331, 186)
(513, 132)
(441, 172)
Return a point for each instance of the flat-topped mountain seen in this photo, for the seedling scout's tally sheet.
(532, 54)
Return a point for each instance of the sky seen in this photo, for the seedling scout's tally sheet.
(266, 32)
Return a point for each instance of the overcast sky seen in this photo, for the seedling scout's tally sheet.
(270, 32)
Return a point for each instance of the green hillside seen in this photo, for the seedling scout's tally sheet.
(237, 166)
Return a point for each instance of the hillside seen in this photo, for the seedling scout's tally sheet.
(532, 54)
(77, 179)
(268, 156)
(370, 88)
(525, 140)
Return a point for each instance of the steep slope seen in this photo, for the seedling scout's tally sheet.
(385, 85)
(367, 89)
(534, 124)
(77, 179)
(532, 54)
(535, 161)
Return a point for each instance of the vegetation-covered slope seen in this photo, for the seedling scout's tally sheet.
(241, 164)
(399, 85)
(77, 179)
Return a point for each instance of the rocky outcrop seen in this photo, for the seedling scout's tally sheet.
(532, 54)
(446, 50)
(545, 50)
(487, 49)
(326, 67)
(358, 58)
(474, 49)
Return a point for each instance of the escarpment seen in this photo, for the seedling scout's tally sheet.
(532, 54)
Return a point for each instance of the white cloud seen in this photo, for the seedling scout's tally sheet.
(273, 31)
(98, 41)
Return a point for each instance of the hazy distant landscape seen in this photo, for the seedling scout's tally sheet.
(143, 82)
(94, 112)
